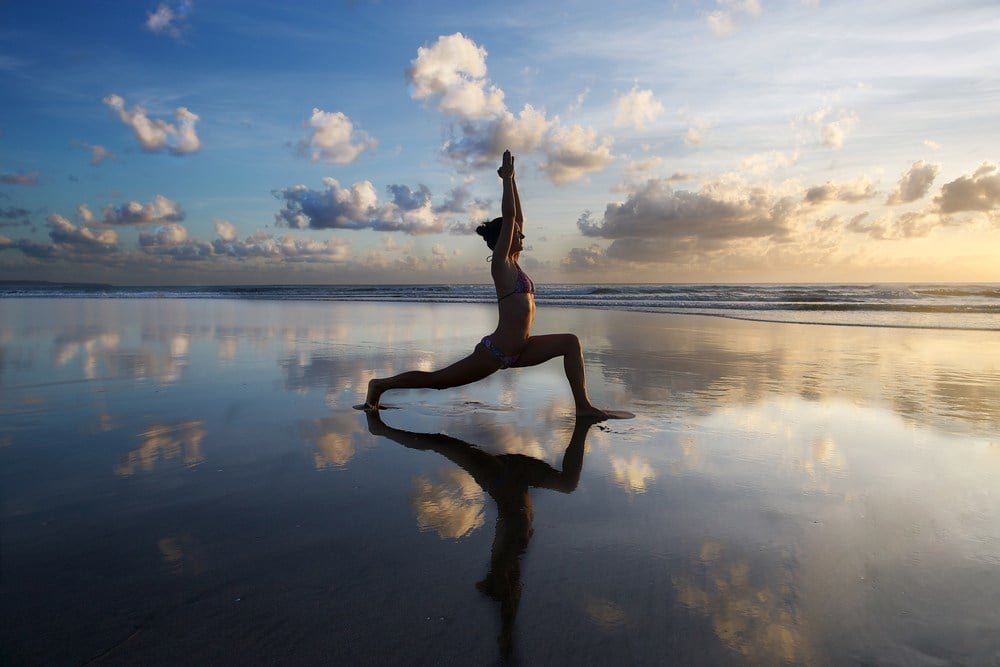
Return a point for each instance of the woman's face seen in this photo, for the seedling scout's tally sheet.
(518, 244)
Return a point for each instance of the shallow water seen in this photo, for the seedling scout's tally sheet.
(185, 480)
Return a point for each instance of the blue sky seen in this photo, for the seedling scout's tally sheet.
(727, 141)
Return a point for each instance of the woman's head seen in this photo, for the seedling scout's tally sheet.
(490, 231)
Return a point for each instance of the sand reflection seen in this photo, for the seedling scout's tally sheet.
(507, 479)
(948, 380)
(165, 442)
(754, 609)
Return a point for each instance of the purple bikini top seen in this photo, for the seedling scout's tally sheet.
(523, 285)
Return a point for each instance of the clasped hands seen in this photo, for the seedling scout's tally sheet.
(506, 169)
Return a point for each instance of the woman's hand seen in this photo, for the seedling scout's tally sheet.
(506, 169)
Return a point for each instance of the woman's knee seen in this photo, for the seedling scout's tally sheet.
(571, 343)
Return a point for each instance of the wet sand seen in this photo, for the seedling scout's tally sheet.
(186, 481)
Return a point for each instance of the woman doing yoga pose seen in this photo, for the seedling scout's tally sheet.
(511, 344)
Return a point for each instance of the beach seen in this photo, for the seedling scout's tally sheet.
(187, 480)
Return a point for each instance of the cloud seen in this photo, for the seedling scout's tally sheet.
(357, 207)
(851, 192)
(636, 109)
(722, 22)
(169, 18)
(767, 162)
(83, 239)
(98, 154)
(717, 214)
(476, 144)
(157, 135)
(695, 135)
(285, 249)
(29, 178)
(979, 191)
(335, 139)
(914, 184)
(572, 152)
(453, 72)
(14, 217)
(171, 239)
(160, 210)
(911, 225)
(832, 131)
(225, 230)
(643, 165)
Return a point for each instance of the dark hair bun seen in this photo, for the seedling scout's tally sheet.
(481, 230)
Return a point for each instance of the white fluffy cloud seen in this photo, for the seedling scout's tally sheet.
(358, 207)
(637, 108)
(63, 232)
(154, 135)
(160, 210)
(574, 151)
(285, 249)
(335, 139)
(453, 72)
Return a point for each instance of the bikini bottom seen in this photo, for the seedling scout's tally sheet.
(506, 361)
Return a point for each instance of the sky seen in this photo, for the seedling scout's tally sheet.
(715, 141)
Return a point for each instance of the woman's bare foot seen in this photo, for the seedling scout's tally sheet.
(374, 394)
(591, 412)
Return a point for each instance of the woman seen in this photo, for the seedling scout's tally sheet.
(511, 344)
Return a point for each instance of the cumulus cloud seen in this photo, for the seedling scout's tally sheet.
(29, 178)
(160, 210)
(225, 230)
(637, 108)
(714, 215)
(357, 207)
(573, 152)
(64, 233)
(169, 18)
(453, 72)
(914, 184)
(178, 138)
(335, 139)
(171, 239)
(979, 191)
(285, 249)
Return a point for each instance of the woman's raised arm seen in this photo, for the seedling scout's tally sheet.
(508, 209)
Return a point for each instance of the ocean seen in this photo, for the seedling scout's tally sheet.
(974, 306)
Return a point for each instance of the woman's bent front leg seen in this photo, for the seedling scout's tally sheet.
(539, 349)
(472, 368)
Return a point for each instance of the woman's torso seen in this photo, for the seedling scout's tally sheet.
(516, 304)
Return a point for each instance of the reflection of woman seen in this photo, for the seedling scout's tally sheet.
(507, 479)
(511, 344)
